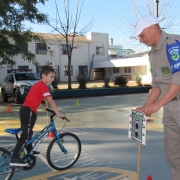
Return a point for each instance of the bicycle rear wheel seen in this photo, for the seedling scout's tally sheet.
(59, 160)
(6, 171)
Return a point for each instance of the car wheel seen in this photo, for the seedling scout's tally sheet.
(17, 99)
(4, 96)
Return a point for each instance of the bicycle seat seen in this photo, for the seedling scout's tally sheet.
(13, 131)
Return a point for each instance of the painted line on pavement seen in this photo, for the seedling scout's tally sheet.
(15, 113)
(130, 174)
(5, 124)
(43, 159)
(39, 127)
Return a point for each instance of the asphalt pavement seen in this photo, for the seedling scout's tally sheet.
(102, 125)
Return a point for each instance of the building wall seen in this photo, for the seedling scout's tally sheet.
(2, 73)
(140, 70)
(99, 40)
(83, 55)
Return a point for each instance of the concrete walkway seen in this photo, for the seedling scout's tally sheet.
(94, 84)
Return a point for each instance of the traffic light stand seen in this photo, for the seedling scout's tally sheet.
(139, 155)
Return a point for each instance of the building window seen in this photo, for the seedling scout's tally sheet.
(22, 49)
(127, 69)
(99, 50)
(64, 49)
(23, 68)
(115, 70)
(66, 71)
(83, 70)
(40, 48)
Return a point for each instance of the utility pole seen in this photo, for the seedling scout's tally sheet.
(157, 3)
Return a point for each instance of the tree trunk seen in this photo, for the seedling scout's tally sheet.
(69, 73)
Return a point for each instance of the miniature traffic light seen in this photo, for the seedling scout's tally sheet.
(137, 119)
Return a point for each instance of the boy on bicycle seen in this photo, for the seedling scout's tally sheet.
(28, 112)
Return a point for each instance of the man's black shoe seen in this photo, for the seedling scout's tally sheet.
(17, 162)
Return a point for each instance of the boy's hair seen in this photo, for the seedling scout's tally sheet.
(46, 70)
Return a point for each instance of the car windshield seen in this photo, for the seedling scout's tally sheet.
(27, 76)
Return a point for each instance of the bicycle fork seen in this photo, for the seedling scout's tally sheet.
(60, 144)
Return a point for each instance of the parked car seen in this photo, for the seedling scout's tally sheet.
(17, 84)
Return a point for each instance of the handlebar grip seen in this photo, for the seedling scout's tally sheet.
(50, 110)
(64, 118)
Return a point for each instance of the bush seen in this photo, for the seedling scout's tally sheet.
(54, 83)
(82, 79)
(138, 79)
(119, 80)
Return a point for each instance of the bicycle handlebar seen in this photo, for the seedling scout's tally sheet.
(50, 110)
(53, 114)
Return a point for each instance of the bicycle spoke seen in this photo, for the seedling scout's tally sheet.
(60, 160)
(6, 171)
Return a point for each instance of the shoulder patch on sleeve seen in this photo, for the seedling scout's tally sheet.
(173, 55)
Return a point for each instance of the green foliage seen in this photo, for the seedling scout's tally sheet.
(138, 79)
(55, 83)
(82, 79)
(13, 33)
(119, 80)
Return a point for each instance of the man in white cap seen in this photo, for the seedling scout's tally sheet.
(165, 67)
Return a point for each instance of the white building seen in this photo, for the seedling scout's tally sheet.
(128, 66)
(90, 57)
(117, 51)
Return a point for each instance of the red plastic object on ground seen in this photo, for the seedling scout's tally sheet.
(149, 177)
(9, 109)
(51, 134)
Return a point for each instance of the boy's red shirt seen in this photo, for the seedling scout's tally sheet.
(37, 93)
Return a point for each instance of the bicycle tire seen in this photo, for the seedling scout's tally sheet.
(8, 171)
(59, 160)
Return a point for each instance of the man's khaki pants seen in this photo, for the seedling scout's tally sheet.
(171, 121)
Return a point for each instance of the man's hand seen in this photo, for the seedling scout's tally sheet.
(142, 108)
(150, 109)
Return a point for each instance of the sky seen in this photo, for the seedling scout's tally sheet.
(116, 17)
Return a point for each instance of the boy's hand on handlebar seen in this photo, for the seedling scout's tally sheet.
(60, 115)
(44, 108)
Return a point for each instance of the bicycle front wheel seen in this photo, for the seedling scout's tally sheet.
(6, 171)
(59, 160)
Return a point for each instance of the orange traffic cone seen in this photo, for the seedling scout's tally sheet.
(9, 109)
(149, 177)
(51, 134)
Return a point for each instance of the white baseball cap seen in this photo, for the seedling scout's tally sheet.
(144, 22)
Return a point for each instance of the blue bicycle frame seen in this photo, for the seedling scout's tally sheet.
(40, 136)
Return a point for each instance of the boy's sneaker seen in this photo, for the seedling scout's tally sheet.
(36, 153)
(16, 162)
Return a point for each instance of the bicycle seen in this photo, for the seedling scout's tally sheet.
(68, 144)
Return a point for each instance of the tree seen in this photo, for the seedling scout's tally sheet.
(68, 27)
(166, 11)
(14, 36)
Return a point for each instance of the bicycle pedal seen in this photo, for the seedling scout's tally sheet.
(20, 168)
